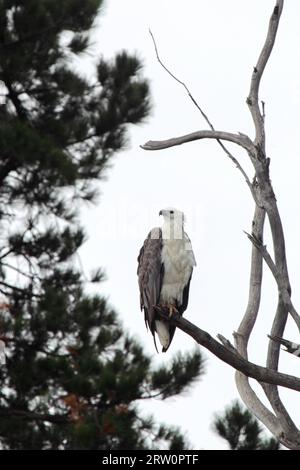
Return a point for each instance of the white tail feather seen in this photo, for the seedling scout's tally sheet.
(163, 333)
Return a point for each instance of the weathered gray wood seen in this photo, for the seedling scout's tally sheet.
(278, 421)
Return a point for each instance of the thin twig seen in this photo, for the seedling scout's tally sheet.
(181, 83)
(204, 115)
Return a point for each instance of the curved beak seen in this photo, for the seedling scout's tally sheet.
(160, 212)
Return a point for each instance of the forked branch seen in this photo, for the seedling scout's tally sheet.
(206, 118)
(278, 421)
(279, 278)
(231, 357)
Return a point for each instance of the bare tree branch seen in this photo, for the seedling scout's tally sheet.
(289, 437)
(252, 100)
(243, 333)
(262, 374)
(278, 278)
(180, 82)
(239, 139)
(291, 347)
(204, 115)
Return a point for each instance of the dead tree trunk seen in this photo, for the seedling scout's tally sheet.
(276, 417)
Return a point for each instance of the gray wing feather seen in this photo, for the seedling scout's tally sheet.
(150, 274)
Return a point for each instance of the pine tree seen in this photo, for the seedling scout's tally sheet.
(73, 378)
(242, 430)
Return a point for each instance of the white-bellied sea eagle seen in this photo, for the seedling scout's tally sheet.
(165, 267)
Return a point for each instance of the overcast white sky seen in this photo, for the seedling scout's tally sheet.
(212, 45)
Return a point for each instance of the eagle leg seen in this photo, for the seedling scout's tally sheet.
(169, 307)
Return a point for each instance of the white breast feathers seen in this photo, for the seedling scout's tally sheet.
(178, 259)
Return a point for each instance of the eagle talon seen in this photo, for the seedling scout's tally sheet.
(172, 310)
(158, 307)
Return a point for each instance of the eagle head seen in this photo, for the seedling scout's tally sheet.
(170, 214)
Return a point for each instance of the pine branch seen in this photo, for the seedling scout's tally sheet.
(31, 416)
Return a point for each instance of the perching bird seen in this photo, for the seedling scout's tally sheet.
(292, 348)
(165, 266)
